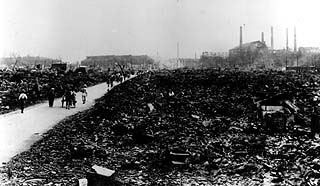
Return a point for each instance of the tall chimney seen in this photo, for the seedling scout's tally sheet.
(287, 41)
(240, 37)
(178, 55)
(178, 50)
(271, 38)
(262, 37)
(295, 40)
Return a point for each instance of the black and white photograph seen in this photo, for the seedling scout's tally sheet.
(159, 92)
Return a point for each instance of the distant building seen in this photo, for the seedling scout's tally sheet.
(309, 50)
(59, 66)
(255, 46)
(308, 56)
(115, 61)
(213, 59)
(29, 61)
(254, 55)
(214, 54)
(189, 63)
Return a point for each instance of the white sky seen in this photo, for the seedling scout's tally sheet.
(73, 29)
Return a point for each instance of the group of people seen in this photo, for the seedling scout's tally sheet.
(110, 79)
(69, 97)
(37, 83)
(118, 77)
(69, 94)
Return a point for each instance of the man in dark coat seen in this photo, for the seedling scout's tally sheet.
(68, 97)
(51, 97)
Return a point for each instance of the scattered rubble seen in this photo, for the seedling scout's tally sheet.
(183, 127)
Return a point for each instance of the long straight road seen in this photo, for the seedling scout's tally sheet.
(19, 131)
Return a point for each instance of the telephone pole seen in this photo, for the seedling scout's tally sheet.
(178, 55)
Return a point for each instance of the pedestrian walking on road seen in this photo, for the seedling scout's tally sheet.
(68, 98)
(84, 95)
(74, 98)
(63, 99)
(22, 100)
(51, 97)
(121, 78)
(111, 79)
(108, 80)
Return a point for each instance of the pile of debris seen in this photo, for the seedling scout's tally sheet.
(37, 85)
(189, 127)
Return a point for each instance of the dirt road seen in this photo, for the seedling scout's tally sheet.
(19, 131)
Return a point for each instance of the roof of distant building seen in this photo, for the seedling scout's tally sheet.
(257, 44)
(133, 59)
(309, 49)
(114, 56)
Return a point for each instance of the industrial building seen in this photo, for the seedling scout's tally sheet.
(113, 62)
(28, 62)
(213, 60)
(253, 54)
(189, 62)
(255, 46)
(257, 54)
(309, 50)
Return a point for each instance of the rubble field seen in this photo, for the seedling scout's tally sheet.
(37, 84)
(207, 116)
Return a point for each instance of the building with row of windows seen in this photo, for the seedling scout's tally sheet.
(28, 62)
(113, 62)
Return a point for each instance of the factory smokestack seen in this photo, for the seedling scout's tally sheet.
(295, 40)
(287, 41)
(262, 37)
(178, 54)
(240, 36)
(271, 38)
(178, 50)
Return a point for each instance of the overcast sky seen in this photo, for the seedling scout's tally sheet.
(73, 29)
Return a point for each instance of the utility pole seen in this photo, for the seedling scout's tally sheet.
(295, 40)
(287, 40)
(286, 61)
(240, 44)
(272, 39)
(178, 55)
(287, 47)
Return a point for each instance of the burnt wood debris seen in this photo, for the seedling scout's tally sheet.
(185, 127)
(38, 84)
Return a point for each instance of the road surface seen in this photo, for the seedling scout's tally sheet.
(19, 131)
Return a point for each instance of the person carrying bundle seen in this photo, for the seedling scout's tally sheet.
(22, 100)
